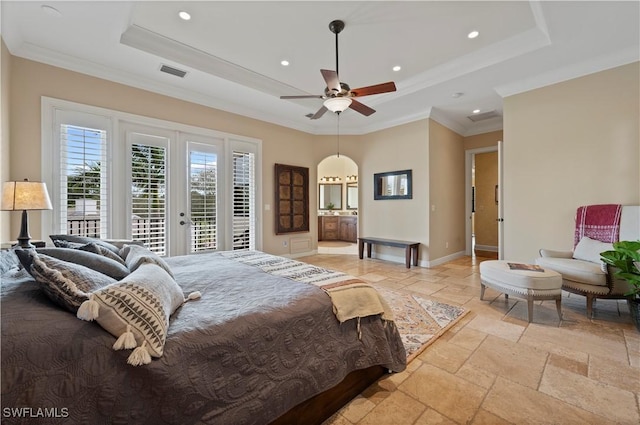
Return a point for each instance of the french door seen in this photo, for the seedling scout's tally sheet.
(175, 182)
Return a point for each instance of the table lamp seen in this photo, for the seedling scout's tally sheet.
(25, 195)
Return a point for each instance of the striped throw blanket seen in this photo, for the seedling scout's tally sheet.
(351, 297)
(599, 222)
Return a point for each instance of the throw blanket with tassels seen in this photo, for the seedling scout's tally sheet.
(352, 298)
(599, 222)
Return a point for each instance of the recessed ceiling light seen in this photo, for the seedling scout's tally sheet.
(475, 111)
(184, 15)
(397, 68)
(457, 94)
(473, 34)
(50, 10)
(284, 63)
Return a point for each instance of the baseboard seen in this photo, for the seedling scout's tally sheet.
(446, 259)
(300, 254)
(489, 248)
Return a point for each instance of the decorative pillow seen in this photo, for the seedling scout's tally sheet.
(136, 310)
(589, 249)
(93, 261)
(59, 243)
(8, 261)
(66, 284)
(134, 256)
(101, 250)
(83, 240)
(120, 243)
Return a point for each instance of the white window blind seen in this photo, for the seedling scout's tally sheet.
(83, 183)
(244, 196)
(203, 190)
(149, 196)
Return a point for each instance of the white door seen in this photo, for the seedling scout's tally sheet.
(500, 217)
(175, 182)
(200, 218)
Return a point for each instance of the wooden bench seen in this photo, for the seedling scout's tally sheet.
(409, 248)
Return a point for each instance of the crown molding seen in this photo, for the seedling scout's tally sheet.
(591, 66)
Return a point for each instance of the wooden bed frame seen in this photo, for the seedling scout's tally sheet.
(321, 407)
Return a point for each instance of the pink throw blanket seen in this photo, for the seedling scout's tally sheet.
(599, 222)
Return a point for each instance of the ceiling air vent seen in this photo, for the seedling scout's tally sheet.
(173, 71)
(483, 116)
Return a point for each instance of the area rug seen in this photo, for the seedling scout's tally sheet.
(420, 320)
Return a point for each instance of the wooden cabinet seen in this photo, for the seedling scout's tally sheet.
(338, 228)
(349, 229)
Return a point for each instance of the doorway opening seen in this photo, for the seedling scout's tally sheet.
(338, 201)
(483, 196)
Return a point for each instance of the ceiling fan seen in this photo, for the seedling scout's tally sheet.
(338, 95)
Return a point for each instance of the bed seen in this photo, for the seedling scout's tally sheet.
(257, 343)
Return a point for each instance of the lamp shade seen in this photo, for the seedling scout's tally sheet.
(337, 104)
(25, 195)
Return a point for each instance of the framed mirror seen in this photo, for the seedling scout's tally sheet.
(393, 185)
(352, 196)
(330, 196)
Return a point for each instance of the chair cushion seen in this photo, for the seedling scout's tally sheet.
(575, 270)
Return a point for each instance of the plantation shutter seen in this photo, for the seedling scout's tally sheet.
(244, 199)
(203, 189)
(149, 195)
(83, 184)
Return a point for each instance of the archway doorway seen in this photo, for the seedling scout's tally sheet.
(338, 201)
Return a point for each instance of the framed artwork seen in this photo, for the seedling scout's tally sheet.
(291, 199)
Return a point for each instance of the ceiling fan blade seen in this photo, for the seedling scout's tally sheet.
(360, 107)
(320, 113)
(308, 96)
(331, 78)
(377, 89)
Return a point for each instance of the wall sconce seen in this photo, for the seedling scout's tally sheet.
(352, 178)
(330, 179)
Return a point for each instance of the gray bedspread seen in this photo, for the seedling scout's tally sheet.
(250, 349)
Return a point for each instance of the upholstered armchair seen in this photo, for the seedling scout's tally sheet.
(582, 270)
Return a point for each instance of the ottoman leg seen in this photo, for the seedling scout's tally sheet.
(559, 306)
(481, 290)
(530, 307)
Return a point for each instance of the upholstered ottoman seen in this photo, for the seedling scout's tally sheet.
(529, 284)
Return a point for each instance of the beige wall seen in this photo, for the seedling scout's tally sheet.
(31, 80)
(555, 137)
(485, 224)
(5, 78)
(397, 148)
(483, 140)
(569, 144)
(447, 192)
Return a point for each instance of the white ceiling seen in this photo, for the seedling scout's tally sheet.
(232, 52)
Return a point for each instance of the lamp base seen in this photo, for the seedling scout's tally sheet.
(24, 237)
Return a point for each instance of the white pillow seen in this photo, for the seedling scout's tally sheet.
(589, 249)
(136, 310)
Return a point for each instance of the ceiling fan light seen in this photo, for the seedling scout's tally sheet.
(337, 104)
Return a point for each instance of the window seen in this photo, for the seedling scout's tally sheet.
(81, 189)
(244, 200)
(148, 196)
(203, 181)
(177, 188)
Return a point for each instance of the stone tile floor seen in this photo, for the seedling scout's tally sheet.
(494, 367)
